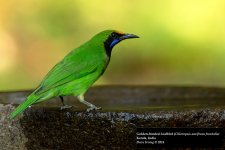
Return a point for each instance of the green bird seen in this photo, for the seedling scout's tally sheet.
(77, 71)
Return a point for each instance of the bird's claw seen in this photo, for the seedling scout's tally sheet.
(93, 108)
(65, 107)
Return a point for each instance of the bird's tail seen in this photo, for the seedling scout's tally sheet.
(30, 100)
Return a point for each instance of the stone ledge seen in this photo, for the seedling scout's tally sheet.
(50, 128)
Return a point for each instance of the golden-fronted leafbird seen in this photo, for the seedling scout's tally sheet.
(77, 71)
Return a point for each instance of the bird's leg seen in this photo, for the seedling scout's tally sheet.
(64, 105)
(91, 106)
(62, 100)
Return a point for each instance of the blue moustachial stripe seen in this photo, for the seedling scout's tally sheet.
(114, 42)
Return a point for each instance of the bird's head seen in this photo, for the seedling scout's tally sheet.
(111, 37)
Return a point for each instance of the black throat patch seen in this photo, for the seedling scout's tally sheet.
(107, 43)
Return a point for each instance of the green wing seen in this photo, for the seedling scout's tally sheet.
(71, 68)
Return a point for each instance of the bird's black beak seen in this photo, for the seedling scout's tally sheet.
(127, 36)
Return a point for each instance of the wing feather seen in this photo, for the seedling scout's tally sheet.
(68, 70)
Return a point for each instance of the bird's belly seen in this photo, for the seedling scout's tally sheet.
(79, 86)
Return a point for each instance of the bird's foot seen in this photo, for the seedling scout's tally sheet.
(65, 107)
(93, 108)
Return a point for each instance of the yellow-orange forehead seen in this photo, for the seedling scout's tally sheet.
(119, 32)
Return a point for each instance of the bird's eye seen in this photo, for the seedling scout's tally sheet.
(113, 35)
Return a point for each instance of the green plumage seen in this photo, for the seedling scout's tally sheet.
(74, 74)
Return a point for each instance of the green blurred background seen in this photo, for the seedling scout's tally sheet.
(182, 41)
